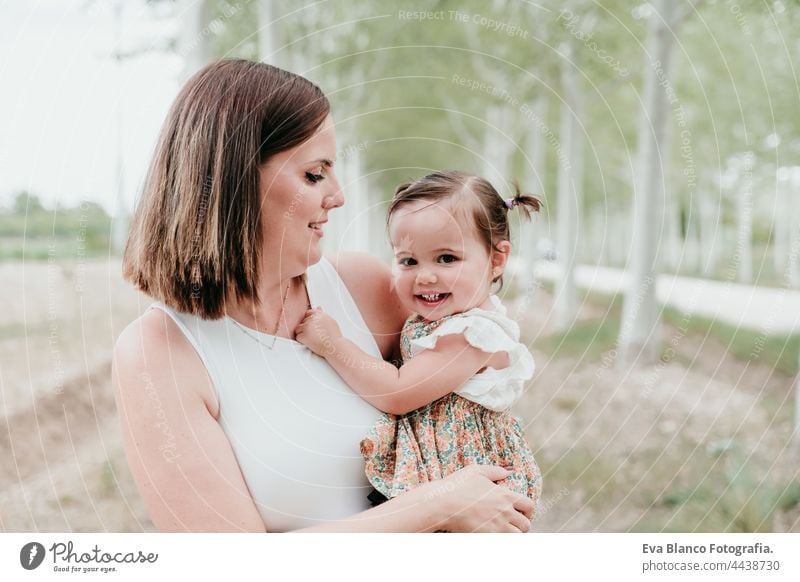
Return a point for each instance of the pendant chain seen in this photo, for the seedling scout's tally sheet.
(254, 337)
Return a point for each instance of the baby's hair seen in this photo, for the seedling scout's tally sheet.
(489, 210)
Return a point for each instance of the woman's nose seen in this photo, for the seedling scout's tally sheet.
(336, 198)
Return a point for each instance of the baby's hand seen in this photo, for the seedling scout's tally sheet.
(317, 332)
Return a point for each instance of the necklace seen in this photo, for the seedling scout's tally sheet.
(257, 339)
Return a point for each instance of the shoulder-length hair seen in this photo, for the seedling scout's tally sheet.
(195, 240)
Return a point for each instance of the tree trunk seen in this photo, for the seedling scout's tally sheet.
(744, 231)
(639, 331)
(709, 231)
(570, 176)
(534, 182)
(797, 408)
(793, 206)
(781, 227)
(691, 246)
(267, 37)
(499, 146)
(674, 243)
(195, 36)
(616, 242)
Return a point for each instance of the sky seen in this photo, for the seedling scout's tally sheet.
(65, 101)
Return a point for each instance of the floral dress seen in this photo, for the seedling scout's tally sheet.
(468, 426)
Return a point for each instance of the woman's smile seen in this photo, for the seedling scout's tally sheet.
(317, 227)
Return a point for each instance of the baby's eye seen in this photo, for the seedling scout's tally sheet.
(314, 177)
(447, 259)
(407, 261)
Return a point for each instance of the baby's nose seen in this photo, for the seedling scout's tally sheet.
(426, 277)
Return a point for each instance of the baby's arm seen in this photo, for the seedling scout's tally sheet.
(430, 375)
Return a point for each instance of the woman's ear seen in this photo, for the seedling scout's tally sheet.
(499, 257)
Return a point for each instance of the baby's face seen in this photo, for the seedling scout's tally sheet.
(441, 266)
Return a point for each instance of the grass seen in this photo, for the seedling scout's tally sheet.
(717, 489)
(13, 331)
(108, 478)
(722, 491)
(578, 467)
(44, 248)
(780, 352)
(779, 410)
(590, 339)
(584, 339)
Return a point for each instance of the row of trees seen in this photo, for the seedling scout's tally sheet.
(659, 134)
(30, 230)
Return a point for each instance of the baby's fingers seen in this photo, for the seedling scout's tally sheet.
(307, 317)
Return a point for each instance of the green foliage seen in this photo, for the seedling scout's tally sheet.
(389, 72)
(236, 28)
(586, 340)
(32, 232)
(25, 203)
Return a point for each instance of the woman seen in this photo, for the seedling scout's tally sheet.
(229, 424)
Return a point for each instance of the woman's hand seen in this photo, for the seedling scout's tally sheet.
(466, 501)
(472, 502)
(318, 331)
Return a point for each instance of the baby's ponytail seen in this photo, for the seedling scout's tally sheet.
(525, 202)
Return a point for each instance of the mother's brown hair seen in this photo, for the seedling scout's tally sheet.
(195, 239)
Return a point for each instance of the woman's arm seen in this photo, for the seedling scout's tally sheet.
(180, 458)
(465, 501)
(430, 375)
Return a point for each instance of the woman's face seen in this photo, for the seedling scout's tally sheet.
(298, 189)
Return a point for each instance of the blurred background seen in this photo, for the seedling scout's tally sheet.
(659, 288)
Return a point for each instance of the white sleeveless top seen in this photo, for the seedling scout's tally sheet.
(293, 423)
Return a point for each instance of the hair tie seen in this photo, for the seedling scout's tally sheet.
(511, 203)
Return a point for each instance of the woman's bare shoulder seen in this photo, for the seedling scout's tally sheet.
(367, 278)
(353, 264)
(369, 281)
(154, 349)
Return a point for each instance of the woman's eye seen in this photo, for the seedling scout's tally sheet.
(448, 259)
(314, 178)
(407, 262)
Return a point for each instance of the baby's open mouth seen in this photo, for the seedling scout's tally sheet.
(432, 298)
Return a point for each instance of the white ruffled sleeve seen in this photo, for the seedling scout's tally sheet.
(490, 332)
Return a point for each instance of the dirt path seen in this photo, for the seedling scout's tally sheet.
(620, 452)
(64, 468)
